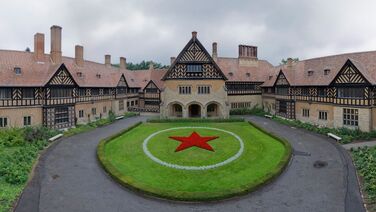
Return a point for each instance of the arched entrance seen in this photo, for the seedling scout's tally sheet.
(176, 110)
(212, 110)
(194, 110)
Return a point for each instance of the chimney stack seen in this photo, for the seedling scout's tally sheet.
(215, 52)
(172, 59)
(39, 47)
(247, 51)
(151, 65)
(107, 60)
(123, 63)
(289, 63)
(56, 44)
(194, 34)
(79, 55)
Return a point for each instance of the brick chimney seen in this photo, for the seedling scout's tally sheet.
(79, 55)
(56, 44)
(248, 55)
(172, 60)
(107, 60)
(215, 53)
(151, 65)
(289, 63)
(39, 47)
(123, 63)
(194, 35)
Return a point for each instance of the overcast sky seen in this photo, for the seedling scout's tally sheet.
(158, 29)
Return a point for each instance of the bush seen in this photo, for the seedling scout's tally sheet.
(38, 133)
(11, 137)
(365, 162)
(256, 110)
(111, 116)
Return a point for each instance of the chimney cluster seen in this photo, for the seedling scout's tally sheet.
(215, 52)
(247, 51)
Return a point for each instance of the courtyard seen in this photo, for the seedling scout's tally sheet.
(70, 178)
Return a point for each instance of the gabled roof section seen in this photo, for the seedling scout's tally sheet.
(61, 77)
(281, 79)
(122, 82)
(350, 74)
(194, 53)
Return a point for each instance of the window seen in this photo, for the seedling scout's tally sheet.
(136, 102)
(27, 93)
(82, 92)
(106, 91)
(282, 106)
(94, 91)
(94, 111)
(350, 92)
(323, 115)
(203, 89)
(211, 108)
(5, 93)
(305, 112)
(127, 104)
(27, 120)
(3, 122)
(194, 68)
(17, 70)
(310, 73)
(121, 90)
(326, 71)
(241, 105)
(81, 113)
(305, 91)
(321, 92)
(185, 89)
(350, 117)
(61, 115)
(282, 90)
(132, 103)
(61, 92)
(104, 109)
(121, 105)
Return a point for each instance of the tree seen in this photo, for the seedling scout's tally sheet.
(284, 61)
(143, 65)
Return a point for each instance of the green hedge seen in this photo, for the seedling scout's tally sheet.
(180, 120)
(365, 162)
(256, 110)
(347, 135)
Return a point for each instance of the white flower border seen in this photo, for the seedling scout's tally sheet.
(175, 166)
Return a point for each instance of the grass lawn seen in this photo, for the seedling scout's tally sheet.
(263, 158)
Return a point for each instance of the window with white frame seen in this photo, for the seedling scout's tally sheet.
(80, 113)
(3, 122)
(5, 93)
(27, 120)
(350, 117)
(203, 89)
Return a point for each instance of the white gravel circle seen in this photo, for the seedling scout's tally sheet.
(175, 166)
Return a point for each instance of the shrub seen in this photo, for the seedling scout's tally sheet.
(11, 137)
(111, 116)
(37, 133)
(256, 110)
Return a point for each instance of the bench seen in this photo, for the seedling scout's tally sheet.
(268, 116)
(337, 138)
(55, 137)
(119, 117)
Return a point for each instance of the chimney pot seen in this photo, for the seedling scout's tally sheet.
(247, 51)
(39, 47)
(194, 34)
(56, 44)
(172, 60)
(123, 63)
(107, 60)
(79, 55)
(215, 52)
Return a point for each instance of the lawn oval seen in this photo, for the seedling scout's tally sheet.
(263, 158)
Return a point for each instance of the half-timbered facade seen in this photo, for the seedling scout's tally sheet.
(59, 92)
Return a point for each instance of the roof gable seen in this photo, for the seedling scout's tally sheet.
(349, 74)
(122, 82)
(194, 53)
(62, 77)
(281, 79)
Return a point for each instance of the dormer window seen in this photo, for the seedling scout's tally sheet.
(270, 77)
(326, 71)
(17, 70)
(310, 73)
(248, 74)
(79, 74)
(98, 76)
(194, 68)
(231, 74)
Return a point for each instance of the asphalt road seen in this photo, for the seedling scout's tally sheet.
(69, 178)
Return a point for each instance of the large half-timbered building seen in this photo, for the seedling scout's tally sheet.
(59, 92)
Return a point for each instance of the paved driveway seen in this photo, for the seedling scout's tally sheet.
(69, 178)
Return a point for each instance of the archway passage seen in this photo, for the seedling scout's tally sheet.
(194, 110)
(176, 110)
(212, 110)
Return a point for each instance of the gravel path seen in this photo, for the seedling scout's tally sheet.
(69, 178)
